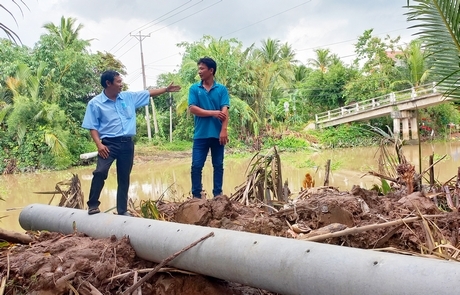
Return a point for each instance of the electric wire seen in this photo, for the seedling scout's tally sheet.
(173, 23)
(262, 20)
(187, 16)
(141, 27)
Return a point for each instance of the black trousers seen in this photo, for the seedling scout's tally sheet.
(121, 149)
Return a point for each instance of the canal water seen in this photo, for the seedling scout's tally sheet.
(171, 176)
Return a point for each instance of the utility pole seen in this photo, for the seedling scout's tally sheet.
(141, 37)
(170, 116)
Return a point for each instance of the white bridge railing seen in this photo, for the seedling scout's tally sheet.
(376, 102)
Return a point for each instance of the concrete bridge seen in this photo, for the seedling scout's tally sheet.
(400, 105)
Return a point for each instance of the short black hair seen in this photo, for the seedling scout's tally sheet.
(209, 62)
(108, 76)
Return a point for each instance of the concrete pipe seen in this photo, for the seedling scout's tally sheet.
(277, 264)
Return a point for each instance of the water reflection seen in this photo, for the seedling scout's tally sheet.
(171, 178)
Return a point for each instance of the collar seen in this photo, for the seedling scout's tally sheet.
(106, 98)
(213, 84)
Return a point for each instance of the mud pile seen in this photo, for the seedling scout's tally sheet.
(76, 264)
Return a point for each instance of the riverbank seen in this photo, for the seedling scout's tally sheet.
(55, 263)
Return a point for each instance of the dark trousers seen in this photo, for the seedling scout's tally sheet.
(122, 150)
(200, 151)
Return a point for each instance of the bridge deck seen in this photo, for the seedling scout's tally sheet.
(421, 97)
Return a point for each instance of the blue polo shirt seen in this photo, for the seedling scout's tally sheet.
(114, 118)
(214, 99)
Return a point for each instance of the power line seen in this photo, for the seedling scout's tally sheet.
(187, 17)
(173, 14)
(267, 18)
(141, 27)
(163, 58)
(233, 31)
(177, 21)
(345, 41)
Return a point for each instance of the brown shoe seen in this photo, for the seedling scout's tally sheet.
(92, 211)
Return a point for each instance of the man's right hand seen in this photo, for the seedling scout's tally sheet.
(103, 151)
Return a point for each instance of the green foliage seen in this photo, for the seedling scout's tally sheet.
(184, 128)
(176, 145)
(286, 142)
(386, 188)
(345, 136)
(440, 117)
(308, 163)
(149, 210)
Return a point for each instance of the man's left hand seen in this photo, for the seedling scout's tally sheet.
(223, 137)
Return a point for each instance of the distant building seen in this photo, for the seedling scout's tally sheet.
(396, 56)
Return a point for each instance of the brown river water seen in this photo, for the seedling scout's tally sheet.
(171, 177)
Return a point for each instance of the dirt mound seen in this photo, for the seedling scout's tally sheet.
(56, 264)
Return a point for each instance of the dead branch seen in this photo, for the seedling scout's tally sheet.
(356, 230)
(14, 237)
(62, 281)
(384, 177)
(93, 289)
(163, 263)
(2, 286)
(418, 177)
(145, 270)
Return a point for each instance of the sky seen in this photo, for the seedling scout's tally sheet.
(305, 25)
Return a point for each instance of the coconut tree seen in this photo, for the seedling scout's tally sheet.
(67, 34)
(9, 32)
(274, 64)
(323, 60)
(439, 29)
(414, 69)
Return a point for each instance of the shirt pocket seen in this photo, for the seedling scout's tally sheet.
(126, 110)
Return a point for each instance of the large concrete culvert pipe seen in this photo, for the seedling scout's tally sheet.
(281, 265)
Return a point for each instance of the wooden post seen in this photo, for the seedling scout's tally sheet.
(457, 188)
(326, 174)
(435, 199)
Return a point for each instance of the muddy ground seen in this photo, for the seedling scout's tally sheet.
(76, 264)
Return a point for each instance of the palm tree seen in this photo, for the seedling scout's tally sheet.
(323, 60)
(300, 73)
(66, 34)
(287, 53)
(10, 33)
(274, 64)
(270, 50)
(415, 63)
(439, 30)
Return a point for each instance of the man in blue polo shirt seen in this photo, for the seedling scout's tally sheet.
(209, 102)
(111, 120)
